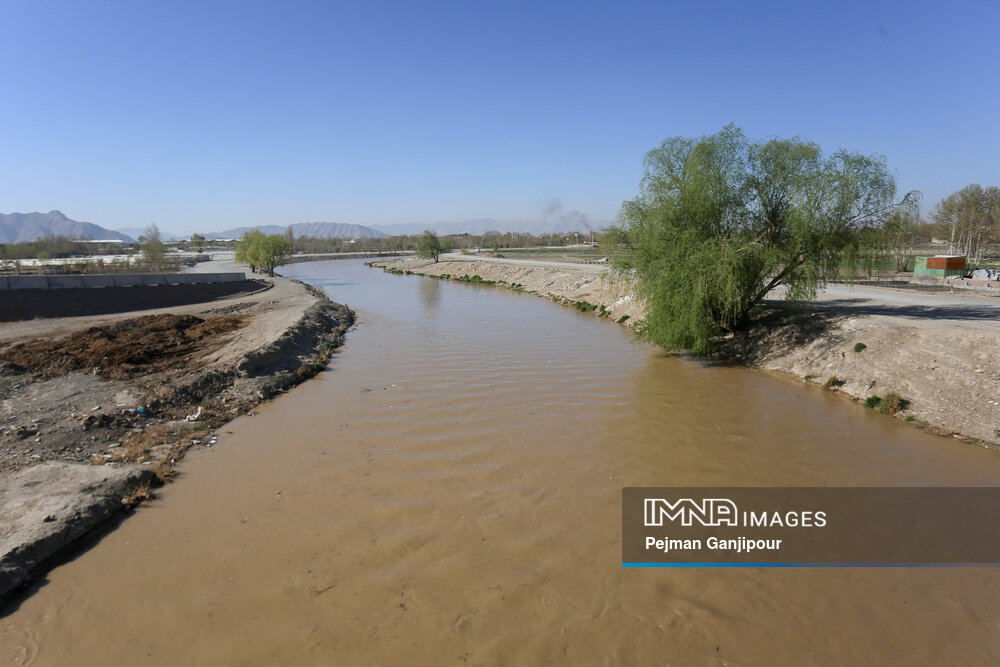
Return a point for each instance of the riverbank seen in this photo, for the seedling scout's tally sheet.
(940, 354)
(95, 409)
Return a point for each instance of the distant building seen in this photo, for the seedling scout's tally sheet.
(939, 266)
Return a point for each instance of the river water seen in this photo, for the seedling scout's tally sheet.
(448, 493)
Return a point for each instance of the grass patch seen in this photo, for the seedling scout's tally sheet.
(622, 320)
(910, 418)
(859, 347)
(873, 402)
(833, 382)
(475, 280)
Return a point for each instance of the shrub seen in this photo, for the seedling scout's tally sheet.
(873, 401)
(622, 320)
(858, 347)
(833, 382)
(892, 403)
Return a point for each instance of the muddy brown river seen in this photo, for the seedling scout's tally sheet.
(447, 493)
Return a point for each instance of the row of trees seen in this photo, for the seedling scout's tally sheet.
(51, 247)
(496, 240)
(971, 217)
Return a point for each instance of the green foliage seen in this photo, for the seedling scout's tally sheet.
(623, 319)
(859, 347)
(833, 382)
(153, 250)
(475, 280)
(910, 418)
(263, 251)
(873, 401)
(722, 220)
(430, 246)
(197, 242)
(887, 249)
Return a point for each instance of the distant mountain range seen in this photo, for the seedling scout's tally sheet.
(318, 230)
(28, 227)
(483, 225)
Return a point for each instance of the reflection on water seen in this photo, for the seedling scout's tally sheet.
(430, 294)
(448, 493)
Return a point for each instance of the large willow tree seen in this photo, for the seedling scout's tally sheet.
(722, 220)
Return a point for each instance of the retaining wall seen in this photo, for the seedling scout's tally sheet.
(78, 281)
(62, 299)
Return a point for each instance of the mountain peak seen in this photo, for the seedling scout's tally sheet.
(28, 227)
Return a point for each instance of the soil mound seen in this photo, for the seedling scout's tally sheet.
(122, 350)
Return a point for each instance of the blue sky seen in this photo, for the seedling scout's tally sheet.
(200, 116)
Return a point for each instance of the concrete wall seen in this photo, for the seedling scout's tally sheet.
(115, 280)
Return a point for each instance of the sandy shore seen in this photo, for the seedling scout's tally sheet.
(94, 409)
(940, 352)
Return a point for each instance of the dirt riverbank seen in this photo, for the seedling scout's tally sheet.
(941, 355)
(93, 409)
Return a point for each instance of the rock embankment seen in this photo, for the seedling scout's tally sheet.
(944, 363)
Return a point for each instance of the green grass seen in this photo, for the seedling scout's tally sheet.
(873, 402)
(859, 347)
(475, 280)
(622, 320)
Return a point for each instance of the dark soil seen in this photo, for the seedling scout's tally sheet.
(140, 390)
(122, 350)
